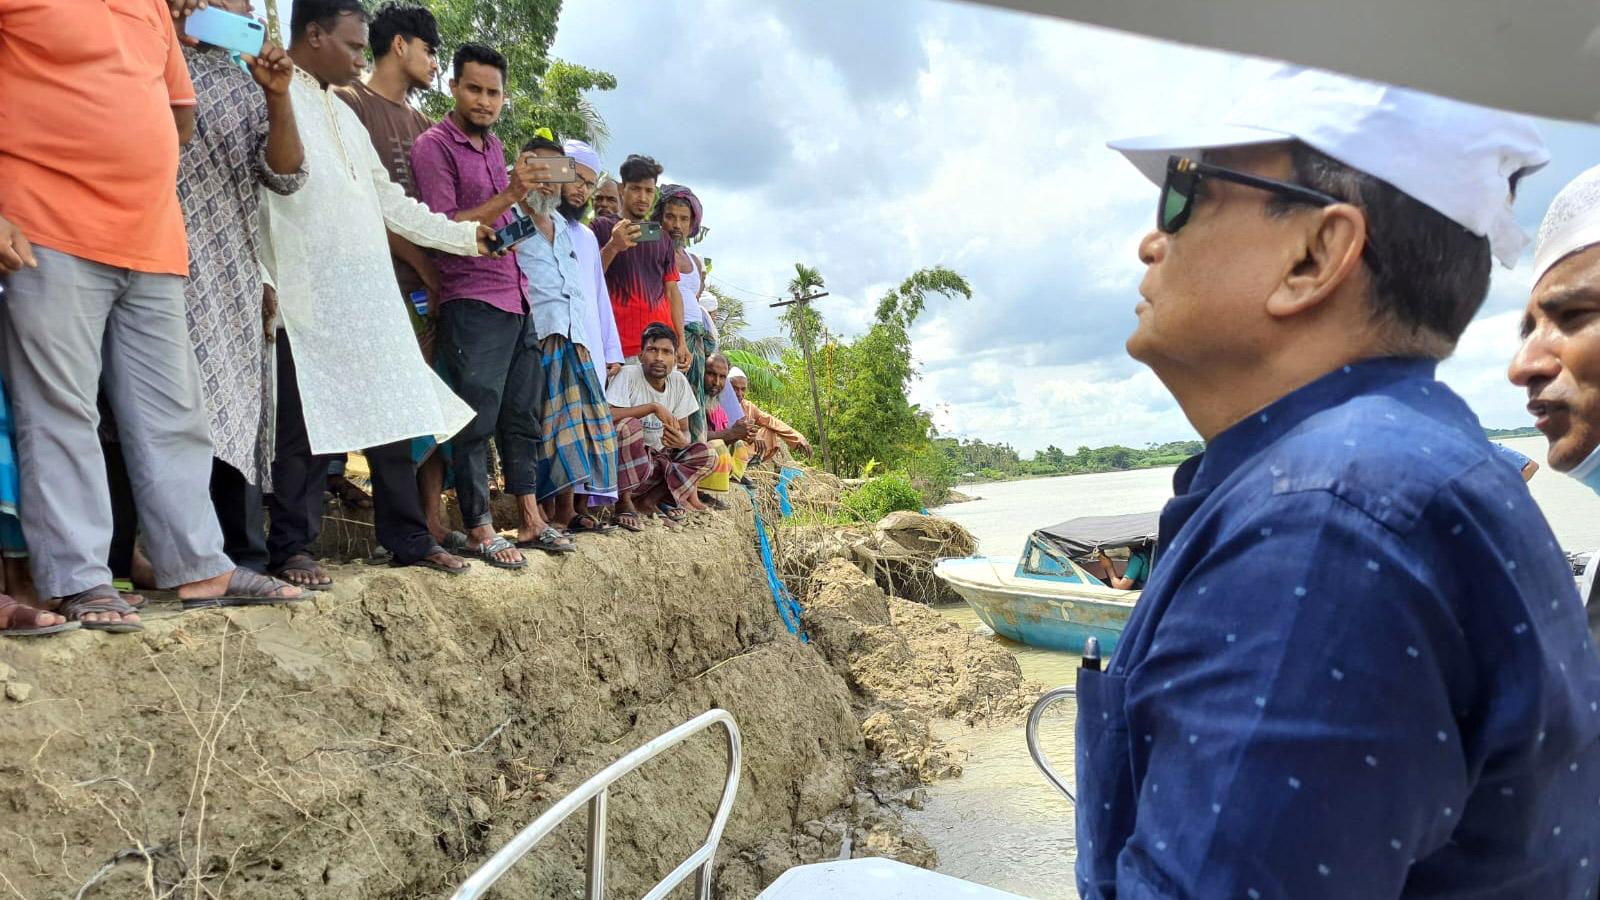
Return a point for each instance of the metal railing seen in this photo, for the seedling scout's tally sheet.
(1036, 715)
(594, 793)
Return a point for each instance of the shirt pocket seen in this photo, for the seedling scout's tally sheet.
(1106, 797)
(145, 44)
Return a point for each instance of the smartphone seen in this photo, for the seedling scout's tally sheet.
(561, 168)
(218, 28)
(521, 228)
(648, 233)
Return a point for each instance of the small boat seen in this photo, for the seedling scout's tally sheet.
(1047, 598)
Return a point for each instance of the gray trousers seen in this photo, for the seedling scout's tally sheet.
(59, 325)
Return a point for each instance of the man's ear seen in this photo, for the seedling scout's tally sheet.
(1330, 254)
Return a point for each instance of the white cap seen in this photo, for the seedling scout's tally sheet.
(582, 154)
(1455, 157)
(1571, 224)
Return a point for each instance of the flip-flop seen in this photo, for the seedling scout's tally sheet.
(302, 562)
(427, 562)
(99, 599)
(21, 612)
(550, 541)
(629, 521)
(674, 514)
(486, 552)
(247, 588)
(595, 526)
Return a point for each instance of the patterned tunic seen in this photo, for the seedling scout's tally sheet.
(218, 176)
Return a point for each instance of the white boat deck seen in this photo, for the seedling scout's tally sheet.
(874, 879)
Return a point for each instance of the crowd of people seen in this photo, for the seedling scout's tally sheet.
(224, 273)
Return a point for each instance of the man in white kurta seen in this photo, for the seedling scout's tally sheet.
(606, 348)
(350, 374)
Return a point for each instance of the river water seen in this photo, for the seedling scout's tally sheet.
(1000, 824)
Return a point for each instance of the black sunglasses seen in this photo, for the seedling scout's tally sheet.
(1183, 176)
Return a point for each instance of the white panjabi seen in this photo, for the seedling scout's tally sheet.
(363, 382)
(1571, 224)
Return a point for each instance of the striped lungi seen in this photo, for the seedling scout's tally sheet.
(578, 443)
(701, 347)
(641, 469)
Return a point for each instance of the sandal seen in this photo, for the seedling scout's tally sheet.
(486, 552)
(587, 524)
(674, 514)
(348, 492)
(302, 562)
(629, 521)
(24, 620)
(101, 599)
(550, 540)
(428, 562)
(247, 588)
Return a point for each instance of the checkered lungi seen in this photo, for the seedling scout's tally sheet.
(578, 443)
(641, 469)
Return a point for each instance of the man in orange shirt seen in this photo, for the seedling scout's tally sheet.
(766, 431)
(92, 261)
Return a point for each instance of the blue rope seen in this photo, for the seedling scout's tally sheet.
(786, 475)
(788, 608)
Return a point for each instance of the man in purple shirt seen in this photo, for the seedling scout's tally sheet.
(485, 337)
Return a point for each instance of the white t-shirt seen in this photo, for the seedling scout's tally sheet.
(631, 388)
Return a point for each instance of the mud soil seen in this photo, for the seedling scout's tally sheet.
(383, 739)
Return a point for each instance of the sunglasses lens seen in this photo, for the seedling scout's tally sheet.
(1174, 204)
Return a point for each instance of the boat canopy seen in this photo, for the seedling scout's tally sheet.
(1080, 538)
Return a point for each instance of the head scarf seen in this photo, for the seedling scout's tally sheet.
(582, 154)
(678, 192)
(1572, 223)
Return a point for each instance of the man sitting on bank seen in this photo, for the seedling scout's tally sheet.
(766, 432)
(659, 474)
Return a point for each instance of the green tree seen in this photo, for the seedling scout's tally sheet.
(542, 92)
(801, 319)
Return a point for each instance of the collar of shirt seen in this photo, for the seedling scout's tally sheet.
(490, 141)
(1232, 448)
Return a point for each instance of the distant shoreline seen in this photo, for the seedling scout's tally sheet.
(1167, 462)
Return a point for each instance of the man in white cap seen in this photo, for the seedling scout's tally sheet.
(1559, 360)
(604, 347)
(1352, 672)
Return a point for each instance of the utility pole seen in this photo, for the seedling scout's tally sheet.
(811, 377)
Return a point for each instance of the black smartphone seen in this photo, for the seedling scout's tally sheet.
(521, 228)
(649, 232)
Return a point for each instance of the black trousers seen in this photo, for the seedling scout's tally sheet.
(242, 516)
(493, 360)
(300, 477)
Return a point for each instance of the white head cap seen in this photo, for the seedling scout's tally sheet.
(582, 154)
(1572, 223)
(1455, 157)
(736, 372)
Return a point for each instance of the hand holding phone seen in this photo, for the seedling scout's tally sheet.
(649, 232)
(521, 228)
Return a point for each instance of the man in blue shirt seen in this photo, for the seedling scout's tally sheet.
(1359, 668)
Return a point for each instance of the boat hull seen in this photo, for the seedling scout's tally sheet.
(1058, 620)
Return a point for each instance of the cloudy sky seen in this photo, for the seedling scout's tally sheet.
(871, 139)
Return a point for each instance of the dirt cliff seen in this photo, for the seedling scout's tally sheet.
(382, 740)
